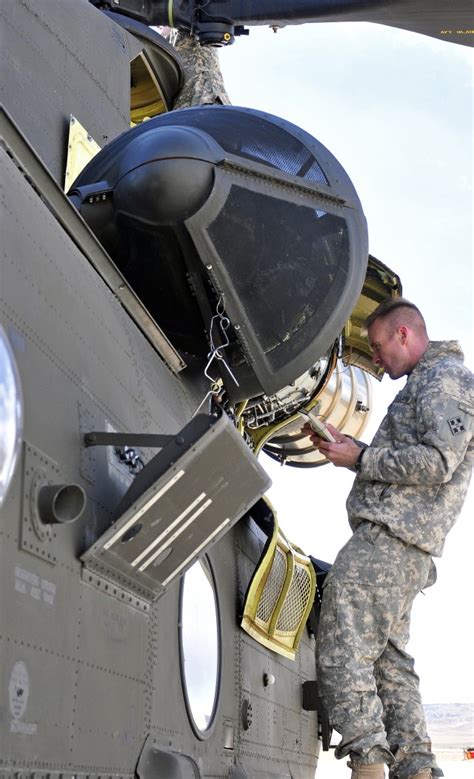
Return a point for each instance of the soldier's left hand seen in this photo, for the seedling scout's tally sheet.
(342, 454)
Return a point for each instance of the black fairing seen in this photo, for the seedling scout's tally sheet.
(220, 202)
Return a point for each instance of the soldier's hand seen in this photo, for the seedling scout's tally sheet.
(342, 454)
(315, 438)
(308, 430)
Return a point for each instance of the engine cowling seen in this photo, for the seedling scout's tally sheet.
(231, 209)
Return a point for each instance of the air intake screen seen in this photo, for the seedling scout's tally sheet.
(290, 286)
(280, 595)
(247, 135)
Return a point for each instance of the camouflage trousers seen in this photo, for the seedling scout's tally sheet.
(365, 677)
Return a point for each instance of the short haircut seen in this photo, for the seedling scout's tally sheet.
(398, 312)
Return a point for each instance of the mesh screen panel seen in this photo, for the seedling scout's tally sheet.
(290, 287)
(273, 586)
(254, 138)
(315, 174)
(295, 601)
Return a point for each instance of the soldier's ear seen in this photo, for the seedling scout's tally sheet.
(403, 333)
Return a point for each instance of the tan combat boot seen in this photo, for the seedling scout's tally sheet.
(426, 774)
(372, 771)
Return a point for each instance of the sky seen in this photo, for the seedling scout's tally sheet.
(395, 108)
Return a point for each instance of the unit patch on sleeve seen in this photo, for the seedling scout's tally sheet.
(454, 429)
(456, 425)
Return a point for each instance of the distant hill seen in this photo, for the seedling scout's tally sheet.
(450, 724)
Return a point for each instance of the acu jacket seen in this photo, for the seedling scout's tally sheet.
(415, 474)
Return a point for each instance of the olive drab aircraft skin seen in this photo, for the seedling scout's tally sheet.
(141, 375)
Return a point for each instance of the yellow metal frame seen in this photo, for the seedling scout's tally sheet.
(263, 434)
(284, 642)
(146, 97)
(80, 150)
(380, 282)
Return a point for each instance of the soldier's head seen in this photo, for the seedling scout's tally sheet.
(397, 336)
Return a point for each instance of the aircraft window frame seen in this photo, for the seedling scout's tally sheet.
(203, 735)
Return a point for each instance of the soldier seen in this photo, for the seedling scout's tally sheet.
(410, 486)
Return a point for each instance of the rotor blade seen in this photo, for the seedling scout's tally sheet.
(453, 21)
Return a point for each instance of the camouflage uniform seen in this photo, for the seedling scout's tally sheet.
(405, 498)
(203, 78)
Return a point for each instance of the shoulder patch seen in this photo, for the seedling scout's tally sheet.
(456, 425)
